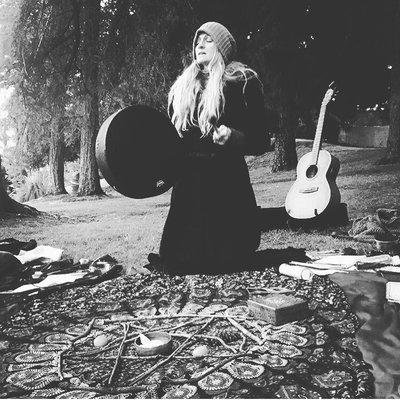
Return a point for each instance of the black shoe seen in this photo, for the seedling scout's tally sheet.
(154, 259)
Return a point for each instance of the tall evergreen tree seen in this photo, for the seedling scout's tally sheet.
(393, 144)
(89, 183)
(44, 43)
(9, 11)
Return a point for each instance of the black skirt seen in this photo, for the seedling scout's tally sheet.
(211, 226)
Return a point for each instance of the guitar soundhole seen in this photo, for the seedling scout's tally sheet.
(311, 171)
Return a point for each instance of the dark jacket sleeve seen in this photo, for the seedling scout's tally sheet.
(257, 140)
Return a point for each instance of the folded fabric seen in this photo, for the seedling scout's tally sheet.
(40, 253)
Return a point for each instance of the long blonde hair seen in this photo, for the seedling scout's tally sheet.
(195, 105)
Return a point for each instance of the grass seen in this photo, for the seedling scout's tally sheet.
(129, 229)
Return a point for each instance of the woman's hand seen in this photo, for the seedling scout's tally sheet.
(221, 134)
(224, 135)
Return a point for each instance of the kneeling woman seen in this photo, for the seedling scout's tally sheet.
(217, 108)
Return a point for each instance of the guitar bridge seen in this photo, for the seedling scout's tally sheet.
(309, 190)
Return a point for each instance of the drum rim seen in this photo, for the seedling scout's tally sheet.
(103, 156)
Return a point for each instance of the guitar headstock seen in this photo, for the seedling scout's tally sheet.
(330, 94)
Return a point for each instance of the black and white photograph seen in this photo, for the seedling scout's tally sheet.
(200, 199)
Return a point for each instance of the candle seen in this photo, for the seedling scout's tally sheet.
(149, 343)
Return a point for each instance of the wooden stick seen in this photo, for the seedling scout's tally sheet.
(165, 329)
(317, 265)
(62, 352)
(121, 348)
(136, 389)
(242, 344)
(151, 370)
(207, 337)
(161, 356)
(173, 328)
(110, 346)
(245, 331)
(208, 371)
(150, 317)
(118, 390)
(113, 344)
(354, 239)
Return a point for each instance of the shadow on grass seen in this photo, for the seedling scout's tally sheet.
(273, 258)
(259, 260)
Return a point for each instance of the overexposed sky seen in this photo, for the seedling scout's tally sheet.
(5, 94)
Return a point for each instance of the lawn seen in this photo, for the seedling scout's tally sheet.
(128, 229)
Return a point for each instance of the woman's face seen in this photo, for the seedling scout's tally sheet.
(205, 49)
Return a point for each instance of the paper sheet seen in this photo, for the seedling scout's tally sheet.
(349, 261)
(306, 271)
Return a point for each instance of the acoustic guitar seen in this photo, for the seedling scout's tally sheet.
(315, 188)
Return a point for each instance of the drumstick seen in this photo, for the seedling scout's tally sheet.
(355, 239)
(213, 122)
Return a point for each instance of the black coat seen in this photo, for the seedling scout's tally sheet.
(211, 226)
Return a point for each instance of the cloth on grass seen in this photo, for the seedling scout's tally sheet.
(314, 357)
(40, 254)
(385, 223)
(39, 280)
(14, 246)
(77, 274)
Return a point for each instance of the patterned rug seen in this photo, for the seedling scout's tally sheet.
(81, 342)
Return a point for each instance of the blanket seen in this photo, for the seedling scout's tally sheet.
(52, 347)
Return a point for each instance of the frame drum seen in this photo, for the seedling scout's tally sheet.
(137, 151)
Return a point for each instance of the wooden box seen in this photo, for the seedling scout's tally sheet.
(278, 309)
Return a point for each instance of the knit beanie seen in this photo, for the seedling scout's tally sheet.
(225, 42)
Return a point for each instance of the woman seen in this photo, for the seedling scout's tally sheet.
(217, 108)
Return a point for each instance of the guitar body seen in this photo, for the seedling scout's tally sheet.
(315, 187)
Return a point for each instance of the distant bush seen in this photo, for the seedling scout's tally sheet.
(370, 118)
(35, 185)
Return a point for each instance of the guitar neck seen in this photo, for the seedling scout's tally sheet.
(318, 135)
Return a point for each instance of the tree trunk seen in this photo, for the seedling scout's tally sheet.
(285, 156)
(115, 50)
(89, 182)
(56, 156)
(393, 143)
(9, 205)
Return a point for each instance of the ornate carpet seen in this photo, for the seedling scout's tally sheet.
(49, 349)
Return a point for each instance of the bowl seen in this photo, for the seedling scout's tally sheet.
(165, 347)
